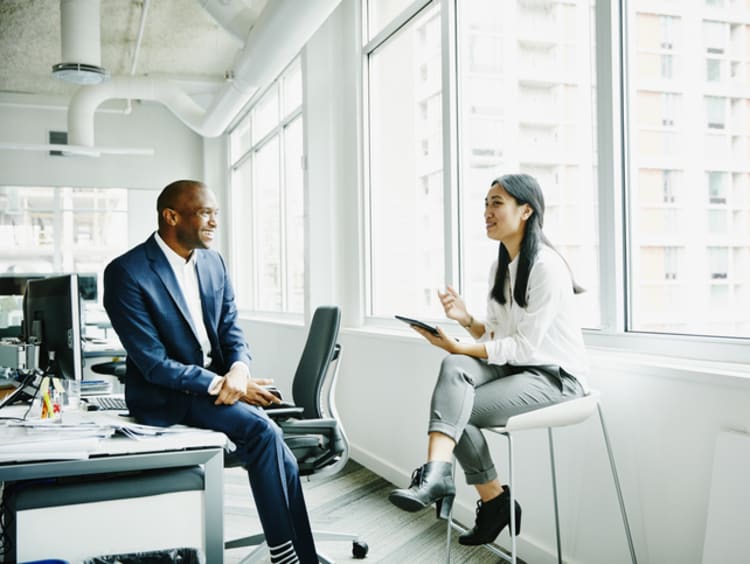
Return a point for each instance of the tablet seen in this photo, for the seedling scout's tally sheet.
(417, 323)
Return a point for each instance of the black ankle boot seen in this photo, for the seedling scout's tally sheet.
(431, 483)
(492, 517)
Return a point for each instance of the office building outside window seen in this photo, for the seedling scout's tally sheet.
(704, 285)
(267, 200)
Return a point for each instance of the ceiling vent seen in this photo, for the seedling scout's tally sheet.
(81, 49)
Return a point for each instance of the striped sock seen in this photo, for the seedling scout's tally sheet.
(283, 553)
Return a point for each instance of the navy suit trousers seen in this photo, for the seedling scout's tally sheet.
(271, 467)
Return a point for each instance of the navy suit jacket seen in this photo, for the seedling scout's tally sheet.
(150, 315)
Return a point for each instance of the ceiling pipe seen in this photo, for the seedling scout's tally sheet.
(282, 30)
(80, 43)
(235, 16)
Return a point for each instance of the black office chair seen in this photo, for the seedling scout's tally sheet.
(312, 428)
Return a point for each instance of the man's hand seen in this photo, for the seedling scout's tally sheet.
(233, 385)
(256, 394)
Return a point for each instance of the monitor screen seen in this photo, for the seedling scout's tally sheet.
(52, 317)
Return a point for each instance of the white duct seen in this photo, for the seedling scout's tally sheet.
(235, 16)
(285, 26)
(80, 43)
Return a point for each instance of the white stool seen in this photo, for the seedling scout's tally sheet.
(558, 415)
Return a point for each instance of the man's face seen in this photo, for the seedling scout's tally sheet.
(197, 219)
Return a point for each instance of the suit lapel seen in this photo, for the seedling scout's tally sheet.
(207, 291)
(163, 270)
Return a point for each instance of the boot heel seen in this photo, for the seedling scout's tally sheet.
(443, 506)
(518, 519)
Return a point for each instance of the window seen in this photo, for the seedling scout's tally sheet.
(715, 111)
(717, 191)
(713, 70)
(406, 202)
(705, 243)
(49, 230)
(267, 197)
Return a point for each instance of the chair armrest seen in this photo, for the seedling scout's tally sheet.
(309, 426)
(284, 412)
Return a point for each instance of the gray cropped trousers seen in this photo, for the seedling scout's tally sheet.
(471, 394)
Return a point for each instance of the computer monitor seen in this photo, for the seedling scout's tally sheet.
(52, 316)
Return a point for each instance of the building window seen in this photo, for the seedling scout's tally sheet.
(48, 230)
(267, 197)
(717, 187)
(715, 112)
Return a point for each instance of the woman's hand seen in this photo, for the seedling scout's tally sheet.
(454, 306)
(443, 341)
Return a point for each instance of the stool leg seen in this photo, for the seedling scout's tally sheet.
(617, 484)
(512, 501)
(554, 493)
(450, 521)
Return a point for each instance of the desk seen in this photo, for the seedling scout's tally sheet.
(117, 454)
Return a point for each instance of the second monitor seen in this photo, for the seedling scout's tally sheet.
(52, 317)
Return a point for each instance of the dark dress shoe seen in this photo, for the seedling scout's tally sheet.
(492, 517)
(431, 483)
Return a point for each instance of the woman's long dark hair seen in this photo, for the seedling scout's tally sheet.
(525, 190)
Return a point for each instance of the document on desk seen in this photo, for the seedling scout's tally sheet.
(27, 441)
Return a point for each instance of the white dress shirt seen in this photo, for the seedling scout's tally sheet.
(547, 331)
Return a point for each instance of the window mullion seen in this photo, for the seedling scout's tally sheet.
(611, 165)
(451, 207)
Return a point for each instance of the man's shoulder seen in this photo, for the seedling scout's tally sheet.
(137, 254)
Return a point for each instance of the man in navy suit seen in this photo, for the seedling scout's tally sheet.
(172, 305)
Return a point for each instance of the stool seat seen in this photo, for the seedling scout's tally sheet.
(557, 415)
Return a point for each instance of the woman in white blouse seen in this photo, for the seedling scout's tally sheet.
(528, 353)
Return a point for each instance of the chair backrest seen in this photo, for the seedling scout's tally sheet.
(316, 358)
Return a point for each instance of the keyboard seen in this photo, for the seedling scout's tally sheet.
(107, 403)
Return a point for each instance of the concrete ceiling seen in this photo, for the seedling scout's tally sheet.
(181, 41)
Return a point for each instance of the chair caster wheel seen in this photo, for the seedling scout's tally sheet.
(359, 549)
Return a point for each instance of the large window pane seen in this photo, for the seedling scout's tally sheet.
(690, 226)
(527, 88)
(407, 261)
